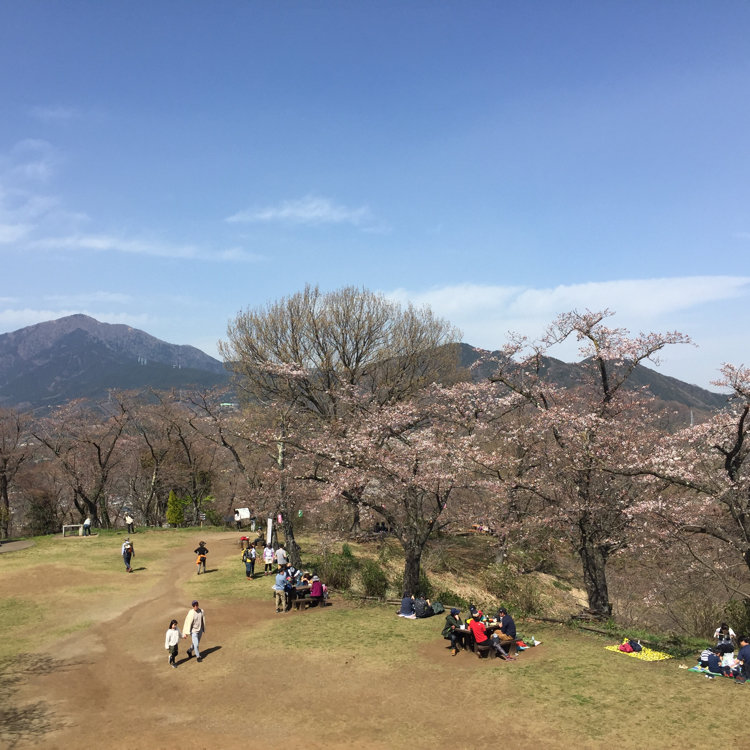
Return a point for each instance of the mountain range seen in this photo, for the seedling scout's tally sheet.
(50, 363)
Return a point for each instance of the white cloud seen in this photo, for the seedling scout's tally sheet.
(701, 306)
(89, 298)
(55, 113)
(308, 210)
(111, 243)
(13, 232)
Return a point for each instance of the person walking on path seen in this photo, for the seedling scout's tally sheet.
(129, 521)
(128, 553)
(171, 641)
(248, 557)
(195, 626)
(201, 551)
(268, 559)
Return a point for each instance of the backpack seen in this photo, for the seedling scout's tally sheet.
(438, 608)
(635, 645)
(625, 648)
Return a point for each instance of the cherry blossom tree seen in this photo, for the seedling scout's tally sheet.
(302, 354)
(579, 434)
(405, 461)
(700, 478)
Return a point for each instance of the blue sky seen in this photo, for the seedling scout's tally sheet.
(168, 164)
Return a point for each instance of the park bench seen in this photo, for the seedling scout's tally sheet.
(303, 601)
(78, 526)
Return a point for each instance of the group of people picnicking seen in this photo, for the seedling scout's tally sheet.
(719, 660)
(479, 632)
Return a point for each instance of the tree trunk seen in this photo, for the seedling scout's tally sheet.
(412, 566)
(291, 546)
(594, 560)
(4, 508)
(356, 527)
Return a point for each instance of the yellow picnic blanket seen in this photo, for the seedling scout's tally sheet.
(645, 654)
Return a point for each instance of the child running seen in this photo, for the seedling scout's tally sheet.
(170, 642)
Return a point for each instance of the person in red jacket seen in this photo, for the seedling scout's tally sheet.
(476, 626)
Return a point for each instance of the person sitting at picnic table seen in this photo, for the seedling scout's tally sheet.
(455, 631)
(505, 635)
(477, 629)
(317, 590)
(407, 607)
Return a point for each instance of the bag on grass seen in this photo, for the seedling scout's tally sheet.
(625, 648)
(635, 645)
(438, 608)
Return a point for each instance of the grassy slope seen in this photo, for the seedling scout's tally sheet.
(569, 691)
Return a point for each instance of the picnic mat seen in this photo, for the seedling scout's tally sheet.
(645, 654)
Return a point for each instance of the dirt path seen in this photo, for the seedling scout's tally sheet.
(112, 686)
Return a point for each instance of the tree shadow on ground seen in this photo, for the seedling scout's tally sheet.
(24, 722)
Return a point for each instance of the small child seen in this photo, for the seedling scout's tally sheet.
(703, 658)
(170, 642)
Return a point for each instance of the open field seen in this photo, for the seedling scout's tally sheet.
(84, 665)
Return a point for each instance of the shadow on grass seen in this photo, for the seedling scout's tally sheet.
(24, 722)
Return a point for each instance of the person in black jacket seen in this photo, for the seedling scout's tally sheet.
(201, 551)
(455, 631)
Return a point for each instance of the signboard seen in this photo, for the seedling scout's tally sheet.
(269, 530)
(244, 513)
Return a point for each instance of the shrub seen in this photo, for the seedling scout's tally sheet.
(450, 598)
(374, 579)
(425, 587)
(518, 592)
(336, 569)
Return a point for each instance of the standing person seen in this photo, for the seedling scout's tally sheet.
(279, 590)
(268, 559)
(725, 639)
(281, 556)
(128, 553)
(195, 626)
(129, 521)
(201, 551)
(237, 520)
(248, 557)
(171, 640)
(87, 526)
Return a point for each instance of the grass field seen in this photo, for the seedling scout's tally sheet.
(83, 663)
